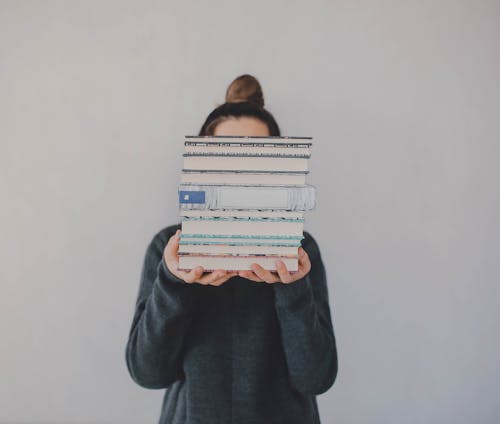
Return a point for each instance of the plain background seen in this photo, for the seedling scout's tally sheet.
(403, 101)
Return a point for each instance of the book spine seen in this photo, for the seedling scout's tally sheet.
(244, 171)
(246, 155)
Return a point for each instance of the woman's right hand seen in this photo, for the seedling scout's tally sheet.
(215, 278)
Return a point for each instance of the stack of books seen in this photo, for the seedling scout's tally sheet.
(242, 201)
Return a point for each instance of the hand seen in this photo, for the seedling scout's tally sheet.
(171, 256)
(260, 274)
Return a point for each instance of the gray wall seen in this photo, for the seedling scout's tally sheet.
(403, 101)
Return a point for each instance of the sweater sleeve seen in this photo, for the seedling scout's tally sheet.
(306, 326)
(162, 316)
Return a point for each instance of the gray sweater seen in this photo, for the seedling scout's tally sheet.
(241, 353)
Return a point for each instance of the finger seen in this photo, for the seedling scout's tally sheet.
(172, 247)
(222, 280)
(263, 273)
(250, 275)
(175, 238)
(193, 275)
(228, 275)
(285, 276)
(210, 277)
(304, 262)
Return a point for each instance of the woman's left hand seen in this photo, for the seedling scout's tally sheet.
(260, 274)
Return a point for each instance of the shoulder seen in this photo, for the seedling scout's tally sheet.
(310, 245)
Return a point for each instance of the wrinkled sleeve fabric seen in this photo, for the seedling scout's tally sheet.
(306, 326)
(162, 316)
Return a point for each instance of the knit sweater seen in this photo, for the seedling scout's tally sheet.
(244, 352)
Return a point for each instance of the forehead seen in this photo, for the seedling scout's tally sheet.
(243, 125)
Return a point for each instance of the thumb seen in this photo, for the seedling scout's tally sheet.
(172, 246)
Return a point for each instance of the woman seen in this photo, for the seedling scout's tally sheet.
(233, 347)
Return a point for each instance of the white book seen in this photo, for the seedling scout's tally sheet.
(291, 141)
(241, 239)
(294, 198)
(227, 249)
(242, 178)
(246, 227)
(235, 263)
(245, 163)
(241, 213)
(241, 148)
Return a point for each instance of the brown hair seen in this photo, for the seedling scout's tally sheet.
(245, 88)
(243, 98)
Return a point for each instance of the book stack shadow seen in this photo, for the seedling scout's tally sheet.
(242, 200)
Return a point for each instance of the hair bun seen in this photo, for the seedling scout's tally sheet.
(245, 88)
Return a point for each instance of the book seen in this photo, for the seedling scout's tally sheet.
(245, 163)
(289, 140)
(239, 178)
(242, 200)
(236, 263)
(226, 225)
(243, 213)
(220, 196)
(207, 148)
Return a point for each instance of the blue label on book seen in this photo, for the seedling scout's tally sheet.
(191, 196)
